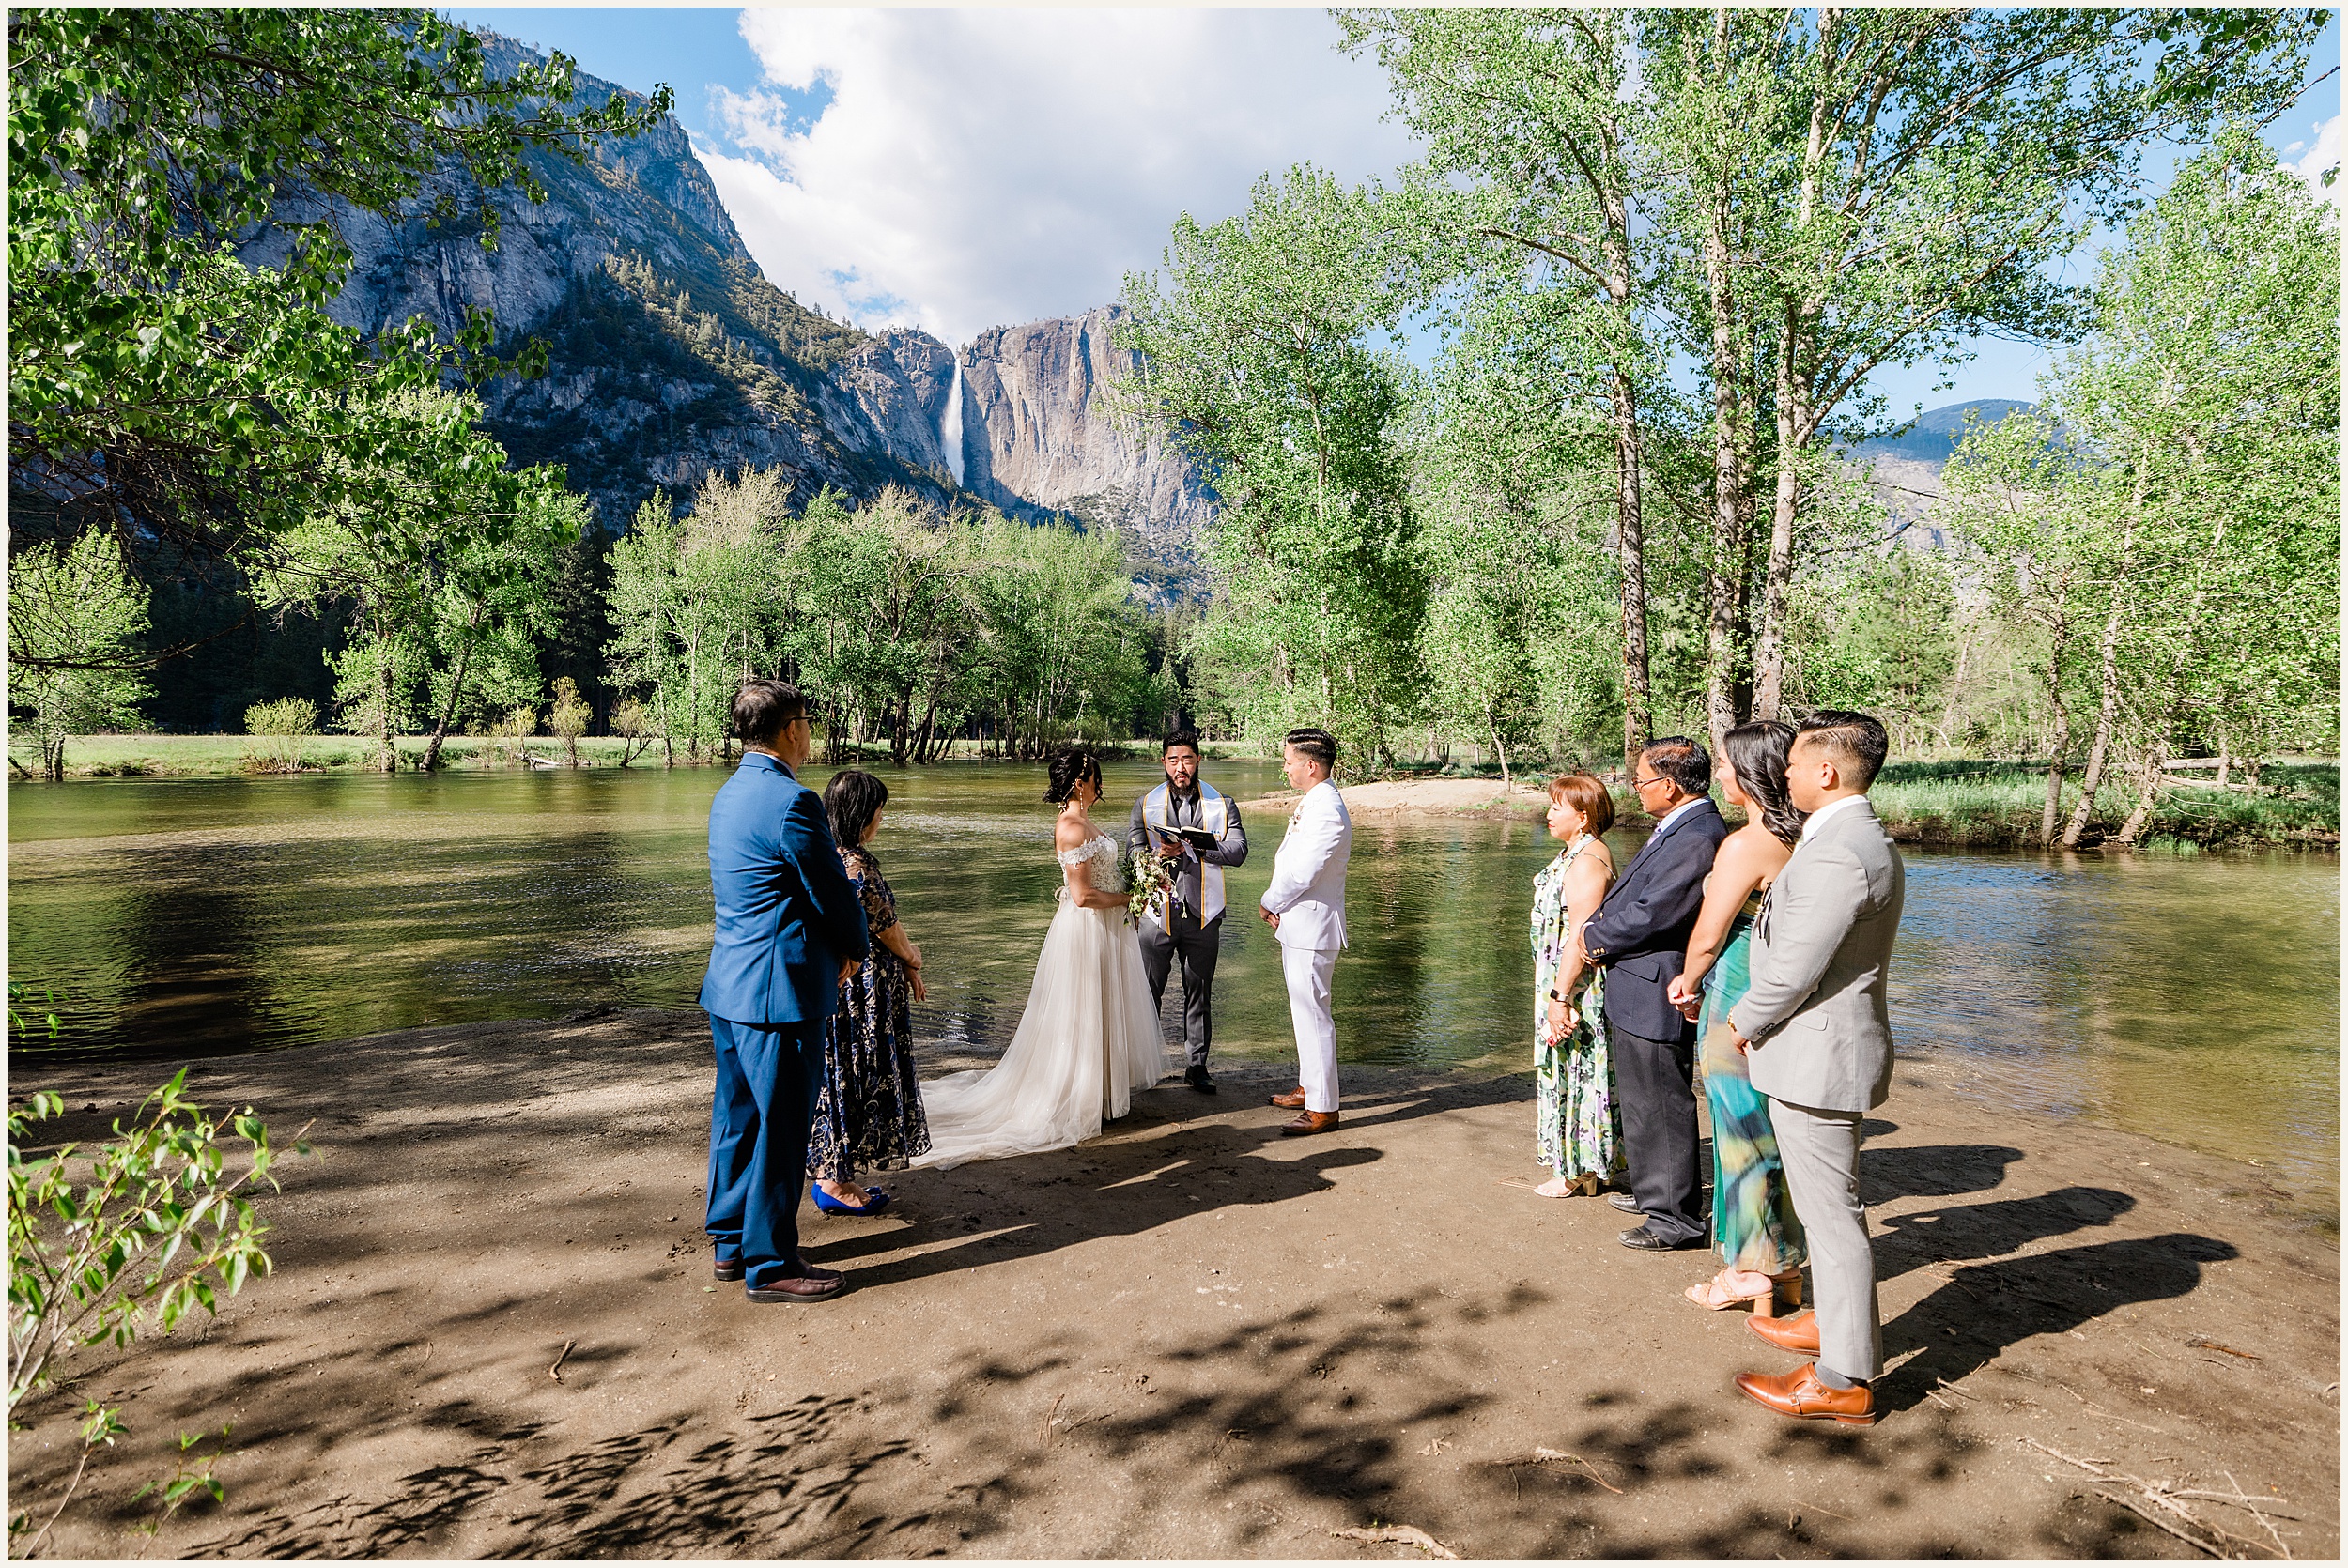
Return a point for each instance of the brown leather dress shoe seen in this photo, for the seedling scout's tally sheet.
(1293, 1100)
(809, 1285)
(725, 1272)
(1309, 1121)
(1800, 1394)
(1798, 1333)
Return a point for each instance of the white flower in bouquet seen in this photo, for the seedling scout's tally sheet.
(1150, 883)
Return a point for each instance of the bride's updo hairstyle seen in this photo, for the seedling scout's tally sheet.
(1072, 766)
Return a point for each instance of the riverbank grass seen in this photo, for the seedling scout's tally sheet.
(1998, 805)
(1961, 802)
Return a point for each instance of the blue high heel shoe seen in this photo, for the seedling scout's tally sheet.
(874, 1200)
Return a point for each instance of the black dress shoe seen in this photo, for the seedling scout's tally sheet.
(1197, 1079)
(811, 1284)
(1646, 1240)
(1625, 1202)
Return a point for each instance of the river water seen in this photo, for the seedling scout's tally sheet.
(2195, 1000)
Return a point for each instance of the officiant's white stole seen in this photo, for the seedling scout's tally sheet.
(1214, 815)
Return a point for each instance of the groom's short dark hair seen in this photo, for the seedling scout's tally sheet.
(1319, 745)
(1855, 742)
(761, 707)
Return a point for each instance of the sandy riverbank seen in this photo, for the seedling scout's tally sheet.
(1191, 1338)
(1430, 797)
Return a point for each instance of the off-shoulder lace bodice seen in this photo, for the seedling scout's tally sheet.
(1102, 850)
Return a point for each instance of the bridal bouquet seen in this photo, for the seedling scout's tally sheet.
(1152, 884)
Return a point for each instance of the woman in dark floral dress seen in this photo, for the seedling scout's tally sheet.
(869, 1111)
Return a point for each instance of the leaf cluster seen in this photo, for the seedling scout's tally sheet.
(132, 1235)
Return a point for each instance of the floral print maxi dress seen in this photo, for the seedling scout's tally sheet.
(1580, 1125)
(1754, 1224)
(869, 1112)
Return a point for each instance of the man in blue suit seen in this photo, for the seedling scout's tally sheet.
(790, 928)
(1640, 935)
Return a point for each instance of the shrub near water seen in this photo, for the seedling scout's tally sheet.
(285, 724)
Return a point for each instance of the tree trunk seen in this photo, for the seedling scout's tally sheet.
(2062, 745)
(2147, 793)
(1508, 780)
(1638, 710)
(448, 710)
(389, 760)
(1725, 568)
(2107, 696)
(1638, 713)
(1956, 685)
(2225, 759)
(1793, 407)
(53, 758)
(1768, 651)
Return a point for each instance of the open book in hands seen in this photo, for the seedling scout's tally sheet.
(1168, 837)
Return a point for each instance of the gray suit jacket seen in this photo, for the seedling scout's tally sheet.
(1821, 951)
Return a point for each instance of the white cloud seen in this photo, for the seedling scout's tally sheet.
(977, 168)
(2325, 155)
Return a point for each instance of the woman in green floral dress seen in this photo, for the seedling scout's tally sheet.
(1753, 1228)
(1579, 1134)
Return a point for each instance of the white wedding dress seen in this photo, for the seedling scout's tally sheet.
(1087, 1041)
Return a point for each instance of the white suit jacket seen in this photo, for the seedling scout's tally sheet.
(1307, 889)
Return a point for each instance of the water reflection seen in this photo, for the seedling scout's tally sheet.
(2191, 999)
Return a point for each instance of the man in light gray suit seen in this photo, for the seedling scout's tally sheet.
(1817, 1039)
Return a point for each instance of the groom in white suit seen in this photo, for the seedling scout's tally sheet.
(1304, 906)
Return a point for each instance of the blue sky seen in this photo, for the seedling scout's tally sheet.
(958, 170)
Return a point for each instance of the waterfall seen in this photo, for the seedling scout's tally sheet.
(949, 426)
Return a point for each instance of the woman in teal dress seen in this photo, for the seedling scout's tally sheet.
(1753, 1228)
(1579, 1127)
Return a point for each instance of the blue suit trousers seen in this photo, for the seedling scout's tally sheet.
(767, 1081)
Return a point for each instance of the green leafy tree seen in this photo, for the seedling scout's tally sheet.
(1256, 361)
(692, 607)
(152, 375)
(75, 623)
(1932, 164)
(2202, 476)
(1528, 201)
(444, 600)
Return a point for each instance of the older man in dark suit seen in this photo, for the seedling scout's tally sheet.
(1638, 936)
(790, 928)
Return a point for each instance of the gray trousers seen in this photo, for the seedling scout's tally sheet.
(1820, 1151)
(1200, 946)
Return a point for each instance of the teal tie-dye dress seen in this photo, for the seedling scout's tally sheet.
(1579, 1130)
(1753, 1216)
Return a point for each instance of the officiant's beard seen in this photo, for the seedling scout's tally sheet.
(1187, 764)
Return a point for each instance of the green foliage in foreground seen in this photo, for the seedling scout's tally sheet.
(125, 1238)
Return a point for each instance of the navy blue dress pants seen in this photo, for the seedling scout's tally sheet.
(1655, 1085)
(767, 1081)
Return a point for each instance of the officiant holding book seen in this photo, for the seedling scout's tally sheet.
(1197, 829)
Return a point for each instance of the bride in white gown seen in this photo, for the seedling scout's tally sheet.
(1090, 1037)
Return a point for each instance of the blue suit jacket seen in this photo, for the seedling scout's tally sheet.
(787, 915)
(1640, 933)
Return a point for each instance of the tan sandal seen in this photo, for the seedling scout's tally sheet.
(1714, 1296)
